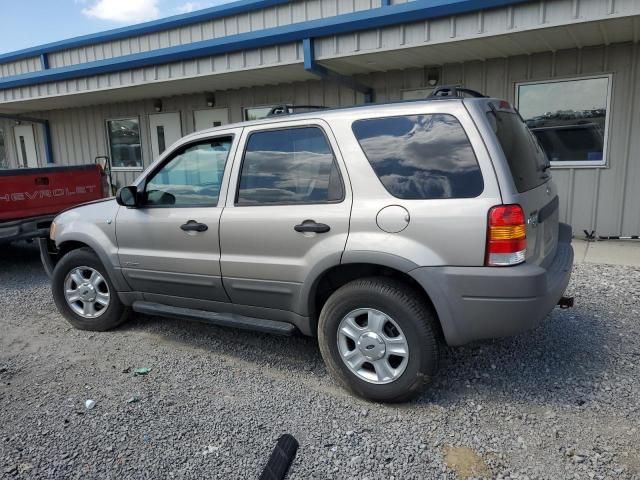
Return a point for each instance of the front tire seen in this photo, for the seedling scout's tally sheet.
(84, 294)
(378, 338)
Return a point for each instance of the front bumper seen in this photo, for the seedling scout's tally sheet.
(476, 303)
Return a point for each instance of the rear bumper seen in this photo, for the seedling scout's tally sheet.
(476, 303)
(26, 228)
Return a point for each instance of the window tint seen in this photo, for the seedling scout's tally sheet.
(289, 166)
(192, 177)
(421, 156)
(124, 143)
(524, 155)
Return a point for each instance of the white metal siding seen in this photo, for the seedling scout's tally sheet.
(294, 12)
(495, 23)
(19, 67)
(601, 199)
(233, 62)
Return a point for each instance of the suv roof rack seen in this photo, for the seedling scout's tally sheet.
(448, 91)
(285, 109)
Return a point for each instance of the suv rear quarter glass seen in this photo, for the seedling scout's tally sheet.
(421, 156)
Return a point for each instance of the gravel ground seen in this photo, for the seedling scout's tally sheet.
(562, 401)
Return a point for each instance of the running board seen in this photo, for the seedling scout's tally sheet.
(221, 319)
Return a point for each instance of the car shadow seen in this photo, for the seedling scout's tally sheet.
(560, 362)
(21, 261)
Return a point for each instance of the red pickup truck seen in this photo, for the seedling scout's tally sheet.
(31, 197)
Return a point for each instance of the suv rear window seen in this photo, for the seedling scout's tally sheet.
(421, 156)
(524, 154)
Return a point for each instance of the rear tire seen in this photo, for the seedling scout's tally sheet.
(378, 338)
(84, 294)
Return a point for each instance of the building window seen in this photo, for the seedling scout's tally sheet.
(289, 166)
(569, 118)
(4, 161)
(421, 157)
(256, 113)
(124, 143)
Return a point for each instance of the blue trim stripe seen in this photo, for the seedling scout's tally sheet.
(176, 21)
(364, 20)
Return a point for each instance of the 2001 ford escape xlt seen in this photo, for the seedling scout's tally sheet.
(385, 230)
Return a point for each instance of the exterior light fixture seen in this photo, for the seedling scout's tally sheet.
(211, 100)
(157, 105)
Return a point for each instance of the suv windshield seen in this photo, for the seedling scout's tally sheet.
(527, 161)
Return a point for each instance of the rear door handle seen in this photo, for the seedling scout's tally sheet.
(193, 226)
(312, 226)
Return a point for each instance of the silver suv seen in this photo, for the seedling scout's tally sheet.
(384, 230)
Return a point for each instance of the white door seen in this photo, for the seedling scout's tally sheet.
(26, 146)
(212, 117)
(165, 129)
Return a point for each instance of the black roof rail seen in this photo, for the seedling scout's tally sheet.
(448, 91)
(285, 109)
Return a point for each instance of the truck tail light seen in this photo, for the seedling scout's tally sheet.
(506, 236)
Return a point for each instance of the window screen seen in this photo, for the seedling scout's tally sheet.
(421, 156)
(289, 166)
(192, 177)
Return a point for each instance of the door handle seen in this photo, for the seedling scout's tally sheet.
(312, 226)
(193, 226)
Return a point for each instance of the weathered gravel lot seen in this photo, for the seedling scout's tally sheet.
(562, 401)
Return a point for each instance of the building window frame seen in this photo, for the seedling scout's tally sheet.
(109, 146)
(604, 163)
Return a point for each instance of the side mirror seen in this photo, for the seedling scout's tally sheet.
(127, 197)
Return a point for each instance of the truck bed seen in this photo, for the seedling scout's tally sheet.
(34, 192)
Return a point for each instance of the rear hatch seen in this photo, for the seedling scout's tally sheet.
(529, 168)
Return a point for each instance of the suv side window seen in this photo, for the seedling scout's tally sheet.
(192, 177)
(421, 156)
(289, 166)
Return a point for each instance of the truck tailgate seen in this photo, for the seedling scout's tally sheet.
(33, 192)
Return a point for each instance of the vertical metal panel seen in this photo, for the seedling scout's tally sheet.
(294, 12)
(602, 199)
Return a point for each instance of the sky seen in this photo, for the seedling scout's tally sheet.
(28, 23)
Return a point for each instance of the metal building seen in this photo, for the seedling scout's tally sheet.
(571, 67)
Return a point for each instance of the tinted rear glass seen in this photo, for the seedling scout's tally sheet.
(421, 156)
(524, 155)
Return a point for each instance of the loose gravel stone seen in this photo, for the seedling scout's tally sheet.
(561, 401)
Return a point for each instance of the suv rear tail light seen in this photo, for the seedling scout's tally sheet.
(506, 236)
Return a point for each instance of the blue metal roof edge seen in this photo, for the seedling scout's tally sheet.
(367, 19)
(175, 21)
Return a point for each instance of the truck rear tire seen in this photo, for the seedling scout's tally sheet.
(378, 338)
(84, 294)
